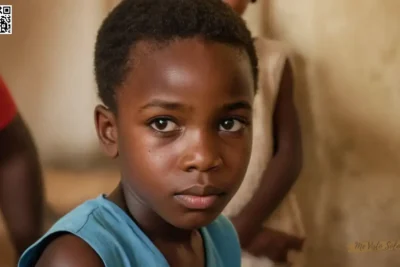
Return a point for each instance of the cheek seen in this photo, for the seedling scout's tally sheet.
(145, 169)
(143, 154)
(236, 155)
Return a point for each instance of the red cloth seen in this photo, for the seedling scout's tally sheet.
(8, 109)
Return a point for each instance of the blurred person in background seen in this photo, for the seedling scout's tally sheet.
(21, 191)
(276, 158)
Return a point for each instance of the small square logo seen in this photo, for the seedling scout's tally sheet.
(5, 19)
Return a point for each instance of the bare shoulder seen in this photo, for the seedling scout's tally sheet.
(268, 48)
(273, 63)
(67, 251)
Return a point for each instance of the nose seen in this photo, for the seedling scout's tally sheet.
(201, 153)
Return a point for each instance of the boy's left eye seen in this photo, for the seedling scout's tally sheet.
(231, 125)
(164, 125)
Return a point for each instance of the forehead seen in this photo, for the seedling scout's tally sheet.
(188, 67)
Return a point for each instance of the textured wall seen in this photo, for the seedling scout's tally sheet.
(347, 56)
(47, 62)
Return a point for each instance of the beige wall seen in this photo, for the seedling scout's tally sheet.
(47, 62)
(347, 57)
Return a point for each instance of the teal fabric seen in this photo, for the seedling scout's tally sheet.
(120, 242)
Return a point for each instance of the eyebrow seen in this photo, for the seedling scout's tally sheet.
(178, 106)
(163, 104)
(237, 105)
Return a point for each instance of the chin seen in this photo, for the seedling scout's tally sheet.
(195, 219)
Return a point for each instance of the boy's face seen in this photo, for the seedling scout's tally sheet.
(183, 131)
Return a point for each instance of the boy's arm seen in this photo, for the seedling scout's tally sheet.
(282, 170)
(69, 251)
(20, 176)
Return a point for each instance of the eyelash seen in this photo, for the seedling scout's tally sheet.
(246, 122)
(166, 118)
(242, 120)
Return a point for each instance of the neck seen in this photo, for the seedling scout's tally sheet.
(157, 229)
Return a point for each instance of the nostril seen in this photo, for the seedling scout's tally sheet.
(191, 169)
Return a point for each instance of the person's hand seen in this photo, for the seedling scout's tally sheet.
(274, 244)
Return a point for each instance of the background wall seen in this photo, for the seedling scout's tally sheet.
(347, 57)
(47, 63)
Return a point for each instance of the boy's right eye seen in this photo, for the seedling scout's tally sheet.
(164, 125)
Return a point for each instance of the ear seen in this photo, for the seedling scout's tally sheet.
(106, 128)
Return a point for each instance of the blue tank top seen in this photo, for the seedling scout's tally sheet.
(120, 242)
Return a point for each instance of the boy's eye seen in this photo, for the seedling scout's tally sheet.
(231, 125)
(164, 125)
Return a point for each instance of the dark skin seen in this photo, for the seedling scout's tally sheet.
(21, 191)
(277, 179)
(183, 119)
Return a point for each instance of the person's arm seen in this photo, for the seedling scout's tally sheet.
(20, 185)
(284, 167)
(69, 251)
(20, 176)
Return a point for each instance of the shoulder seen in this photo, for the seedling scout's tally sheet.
(271, 47)
(97, 229)
(274, 61)
(69, 250)
(222, 226)
(69, 230)
(267, 48)
(272, 54)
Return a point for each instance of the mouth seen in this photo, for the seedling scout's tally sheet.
(199, 197)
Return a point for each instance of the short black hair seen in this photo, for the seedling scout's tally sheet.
(162, 21)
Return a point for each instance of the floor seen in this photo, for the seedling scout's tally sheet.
(64, 190)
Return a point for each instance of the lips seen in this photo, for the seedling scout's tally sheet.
(199, 197)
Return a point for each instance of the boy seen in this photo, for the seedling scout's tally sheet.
(20, 176)
(177, 79)
(275, 162)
